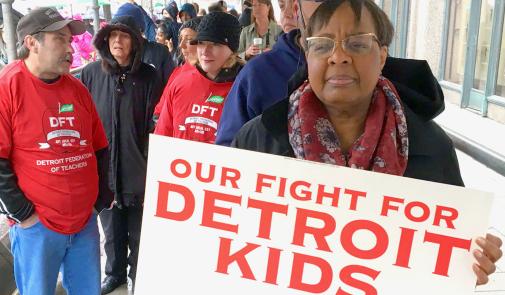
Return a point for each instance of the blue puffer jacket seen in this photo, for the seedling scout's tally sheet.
(261, 83)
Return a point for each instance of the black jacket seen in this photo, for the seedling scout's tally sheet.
(159, 57)
(125, 99)
(431, 153)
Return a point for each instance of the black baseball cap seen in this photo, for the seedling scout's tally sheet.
(46, 19)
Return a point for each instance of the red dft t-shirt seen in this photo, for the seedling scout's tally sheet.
(50, 133)
(193, 107)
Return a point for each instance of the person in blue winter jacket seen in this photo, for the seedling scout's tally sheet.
(154, 54)
(149, 26)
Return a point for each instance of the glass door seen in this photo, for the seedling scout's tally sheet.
(477, 95)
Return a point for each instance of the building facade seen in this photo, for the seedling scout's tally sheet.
(464, 43)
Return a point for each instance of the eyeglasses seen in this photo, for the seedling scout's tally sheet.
(355, 45)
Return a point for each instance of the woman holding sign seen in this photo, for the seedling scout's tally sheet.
(348, 114)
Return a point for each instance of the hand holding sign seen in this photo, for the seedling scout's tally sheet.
(487, 258)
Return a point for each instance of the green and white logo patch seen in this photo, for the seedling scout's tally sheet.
(66, 108)
(216, 99)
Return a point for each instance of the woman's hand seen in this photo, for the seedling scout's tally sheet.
(487, 257)
(170, 45)
(252, 51)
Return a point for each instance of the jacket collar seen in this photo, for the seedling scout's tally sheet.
(226, 74)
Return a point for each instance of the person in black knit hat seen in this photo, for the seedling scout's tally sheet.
(187, 33)
(205, 86)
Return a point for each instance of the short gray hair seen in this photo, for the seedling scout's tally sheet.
(23, 51)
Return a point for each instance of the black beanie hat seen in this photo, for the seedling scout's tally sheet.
(191, 24)
(219, 27)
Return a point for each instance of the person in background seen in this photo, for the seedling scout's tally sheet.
(223, 4)
(288, 19)
(264, 79)
(348, 114)
(196, 6)
(149, 26)
(187, 12)
(125, 91)
(172, 10)
(202, 12)
(245, 17)
(170, 13)
(88, 22)
(83, 48)
(186, 58)
(154, 54)
(165, 14)
(187, 52)
(48, 120)
(234, 13)
(206, 85)
(263, 26)
(164, 35)
(216, 7)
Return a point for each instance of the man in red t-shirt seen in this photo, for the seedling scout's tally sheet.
(53, 154)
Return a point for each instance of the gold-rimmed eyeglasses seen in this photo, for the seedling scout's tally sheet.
(324, 47)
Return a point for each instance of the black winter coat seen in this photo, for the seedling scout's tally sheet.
(126, 112)
(159, 57)
(125, 99)
(431, 153)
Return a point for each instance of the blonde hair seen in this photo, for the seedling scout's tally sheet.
(232, 60)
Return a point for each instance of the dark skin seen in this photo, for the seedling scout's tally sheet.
(344, 83)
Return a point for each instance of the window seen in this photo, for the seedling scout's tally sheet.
(459, 12)
(500, 85)
(386, 6)
(483, 44)
(393, 9)
(425, 31)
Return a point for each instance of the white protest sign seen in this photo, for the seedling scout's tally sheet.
(226, 221)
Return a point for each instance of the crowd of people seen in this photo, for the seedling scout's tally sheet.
(317, 84)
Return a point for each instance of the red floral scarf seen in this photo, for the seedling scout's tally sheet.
(383, 146)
